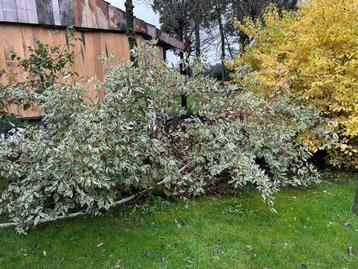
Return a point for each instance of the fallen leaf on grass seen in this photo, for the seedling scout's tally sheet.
(350, 251)
(118, 264)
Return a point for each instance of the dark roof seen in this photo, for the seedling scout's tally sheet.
(83, 14)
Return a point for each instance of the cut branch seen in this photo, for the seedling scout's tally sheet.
(83, 213)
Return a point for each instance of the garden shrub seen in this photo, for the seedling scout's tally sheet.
(45, 66)
(313, 55)
(90, 154)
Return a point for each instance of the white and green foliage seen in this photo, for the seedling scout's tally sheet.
(90, 154)
(41, 70)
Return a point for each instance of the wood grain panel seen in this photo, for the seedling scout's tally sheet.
(92, 14)
(116, 19)
(66, 12)
(102, 14)
(28, 39)
(56, 12)
(90, 8)
(89, 69)
(45, 12)
(31, 11)
(9, 10)
(2, 57)
(21, 11)
(79, 13)
(1, 12)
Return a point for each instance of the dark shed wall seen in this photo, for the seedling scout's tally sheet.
(89, 14)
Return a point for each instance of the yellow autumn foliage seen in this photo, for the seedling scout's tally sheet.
(313, 54)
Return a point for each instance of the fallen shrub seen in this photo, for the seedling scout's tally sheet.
(87, 156)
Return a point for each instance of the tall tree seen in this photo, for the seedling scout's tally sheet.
(175, 19)
(203, 23)
(219, 9)
(199, 14)
(254, 9)
(184, 19)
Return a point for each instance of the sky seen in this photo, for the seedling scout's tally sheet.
(141, 11)
(144, 12)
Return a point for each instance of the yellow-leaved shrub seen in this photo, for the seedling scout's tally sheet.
(313, 54)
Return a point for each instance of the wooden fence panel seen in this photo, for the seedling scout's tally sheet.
(102, 14)
(1, 11)
(87, 14)
(87, 52)
(31, 11)
(56, 12)
(21, 11)
(45, 12)
(9, 10)
(66, 12)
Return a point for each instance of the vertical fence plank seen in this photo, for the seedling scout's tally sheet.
(102, 14)
(66, 13)
(56, 12)
(21, 11)
(45, 12)
(2, 50)
(117, 19)
(1, 11)
(79, 13)
(90, 8)
(9, 10)
(31, 11)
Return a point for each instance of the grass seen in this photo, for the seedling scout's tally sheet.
(312, 229)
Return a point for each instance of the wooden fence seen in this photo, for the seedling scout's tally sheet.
(100, 27)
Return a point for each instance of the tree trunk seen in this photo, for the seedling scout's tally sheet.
(222, 39)
(130, 29)
(355, 206)
(183, 71)
(244, 40)
(197, 39)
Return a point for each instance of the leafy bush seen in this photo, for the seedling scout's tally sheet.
(43, 69)
(90, 154)
(311, 54)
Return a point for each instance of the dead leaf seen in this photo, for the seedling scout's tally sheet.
(118, 264)
(350, 251)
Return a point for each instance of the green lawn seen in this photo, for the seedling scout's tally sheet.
(312, 229)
